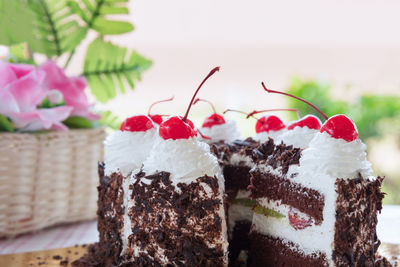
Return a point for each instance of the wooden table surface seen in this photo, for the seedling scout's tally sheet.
(65, 256)
(44, 258)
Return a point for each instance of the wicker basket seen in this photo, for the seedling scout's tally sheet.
(48, 179)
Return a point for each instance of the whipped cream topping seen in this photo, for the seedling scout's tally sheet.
(126, 151)
(185, 159)
(298, 137)
(222, 132)
(263, 136)
(335, 157)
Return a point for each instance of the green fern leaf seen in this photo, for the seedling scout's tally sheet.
(60, 31)
(110, 120)
(110, 69)
(16, 15)
(94, 13)
(48, 26)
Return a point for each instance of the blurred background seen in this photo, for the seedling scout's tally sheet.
(342, 56)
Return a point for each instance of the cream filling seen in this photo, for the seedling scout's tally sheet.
(310, 239)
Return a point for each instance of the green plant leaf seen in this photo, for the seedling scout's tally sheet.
(48, 26)
(94, 14)
(109, 69)
(17, 23)
(76, 122)
(109, 9)
(6, 125)
(104, 26)
(110, 120)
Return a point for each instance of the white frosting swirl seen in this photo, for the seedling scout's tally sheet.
(335, 157)
(222, 132)
(185, 159)
(126, 151)
(263, 136)
(298, 137)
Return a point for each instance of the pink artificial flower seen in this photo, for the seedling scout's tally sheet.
(72, 89)
(21, 92)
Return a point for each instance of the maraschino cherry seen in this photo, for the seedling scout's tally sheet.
(213, 119)
(265, 123)
(177, 127)
(271, 122)
(338, 126)
(139, 123)
(309, 121)
(157, 118)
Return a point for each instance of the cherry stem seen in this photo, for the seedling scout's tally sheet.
(205, 100)
(275, 109)
(159, 101)
(195, 93)
(204, 136)
(298, 98)
(239, 111)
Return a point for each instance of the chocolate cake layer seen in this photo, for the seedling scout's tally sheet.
(357, 205)
(182, 221)
(274, 252)
(236, 178)
(274, 187)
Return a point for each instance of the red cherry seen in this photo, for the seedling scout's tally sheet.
(299, 222)
(156, 118)
(212, 120)
(175, 128)
(309, 121)
(269, 123)
(191, 124)
(340, 127)
(140, 123)
(181, 128)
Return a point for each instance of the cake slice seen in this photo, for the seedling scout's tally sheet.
(315, 206)
(126, 151)
(174, 210)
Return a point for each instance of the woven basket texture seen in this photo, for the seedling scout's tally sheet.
(48, 178)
